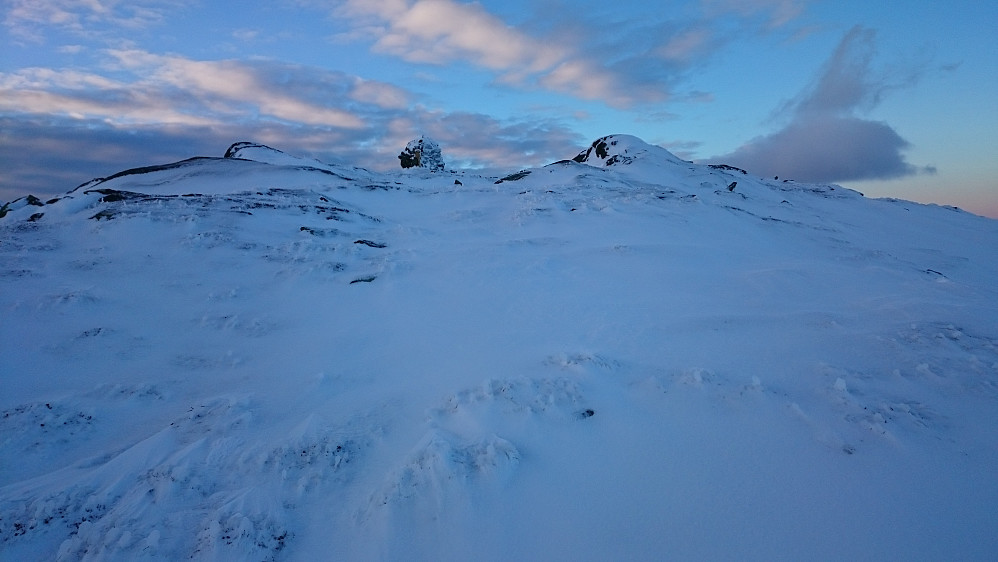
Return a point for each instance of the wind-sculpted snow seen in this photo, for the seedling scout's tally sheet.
(268, 358)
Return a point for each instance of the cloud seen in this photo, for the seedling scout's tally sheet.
(59, 128)
(587, 52)
(827, 148)
(444, 31)
(27, 19)
(476, 140)
(158, 89)
(777, 13)
(825, 140)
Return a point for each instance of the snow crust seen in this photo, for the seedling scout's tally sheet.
(257, 357)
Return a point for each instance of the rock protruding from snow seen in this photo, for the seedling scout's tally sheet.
(268, 155)
(621, 149)
(422, 153)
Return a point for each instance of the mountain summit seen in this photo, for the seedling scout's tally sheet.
(623, 149)
(620, 356)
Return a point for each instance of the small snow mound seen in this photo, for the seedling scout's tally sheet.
(422, 153)
(622, 149)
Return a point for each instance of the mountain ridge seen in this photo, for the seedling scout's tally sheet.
(236, 359)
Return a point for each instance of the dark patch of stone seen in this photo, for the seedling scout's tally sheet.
(602, 150)
(513, 177)
(32, 200)
(320, 232)
(106, 214)
(458, 182)
(237, 146)
(409, 159)
(727, 167)
(113, 195)
(731, 186)
(364, 279)
(35, 217)
(370, 243)
(587, 413)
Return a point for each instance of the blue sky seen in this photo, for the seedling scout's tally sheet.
(893, 100)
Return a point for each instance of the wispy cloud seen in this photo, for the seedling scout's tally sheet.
(27, 19)
(775, 13)
(167, 89)
(622, 62)
(825, 139)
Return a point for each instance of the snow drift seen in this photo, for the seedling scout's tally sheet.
(619, 356)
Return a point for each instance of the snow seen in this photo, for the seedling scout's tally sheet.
(260, 357)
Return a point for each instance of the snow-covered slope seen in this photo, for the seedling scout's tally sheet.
(257, 357)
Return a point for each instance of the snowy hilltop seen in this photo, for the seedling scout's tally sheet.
(618, 356)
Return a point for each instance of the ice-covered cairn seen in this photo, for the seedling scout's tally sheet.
(422, 153)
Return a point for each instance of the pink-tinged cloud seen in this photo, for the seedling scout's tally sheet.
(621, 65)
(151, 89)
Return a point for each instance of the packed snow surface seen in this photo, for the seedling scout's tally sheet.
(261, 357)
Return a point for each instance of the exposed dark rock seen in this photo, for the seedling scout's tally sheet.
(731, 186)
(106, 214)
(370, 243)
(320, 232)
(422, 153)
(233, 150)
(112, 195)
(513, 177)
(726, 167)
(599, 146)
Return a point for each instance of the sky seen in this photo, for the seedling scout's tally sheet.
(894, 100)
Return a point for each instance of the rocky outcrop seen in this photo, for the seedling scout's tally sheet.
(422, 153)
(622, 149)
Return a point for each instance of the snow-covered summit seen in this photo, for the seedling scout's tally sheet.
(622, 150)
(256, 358)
